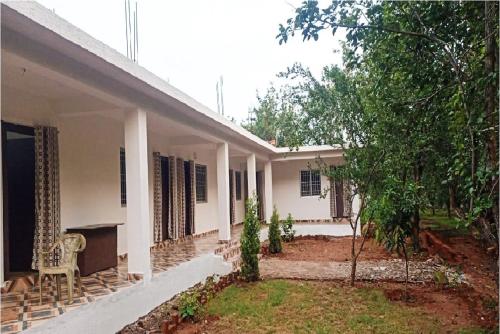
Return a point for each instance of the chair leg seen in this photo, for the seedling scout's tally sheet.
(40, 282)
(58, 285)
(79, 279)
(70, 278)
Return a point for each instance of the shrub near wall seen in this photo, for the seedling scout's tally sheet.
(274, 233)
(250, 243)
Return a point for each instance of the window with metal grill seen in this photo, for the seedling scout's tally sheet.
(237, 176)
(310, 183)
(201, 184)
(123, 178)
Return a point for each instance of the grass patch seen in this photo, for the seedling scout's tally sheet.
(280, 306)
(440, 221)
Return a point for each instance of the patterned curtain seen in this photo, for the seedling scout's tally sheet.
(157, 197)
(232, 203)
(173, 221)
(47, 197)
(193, 195)
(333, 196)
(245, 189)
(181, 197)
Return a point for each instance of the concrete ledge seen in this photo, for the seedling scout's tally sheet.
(336, 230)
(113, 312)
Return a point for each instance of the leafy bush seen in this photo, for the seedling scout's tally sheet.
(274, 233)
(189, 305)
(287, 228)
(250, 242)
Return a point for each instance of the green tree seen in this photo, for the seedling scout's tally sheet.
(274, 233)
(428, 76)
(250, 242)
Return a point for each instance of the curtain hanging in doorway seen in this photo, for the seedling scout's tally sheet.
(174, 216)
(157, 197)
(193, 196)
(181, 199)
(333, 196)
(47, 197)
(232, 202)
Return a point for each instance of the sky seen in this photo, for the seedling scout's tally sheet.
(191, 43)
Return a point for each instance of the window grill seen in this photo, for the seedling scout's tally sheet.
(123, 178)
(201, 183)
(310, 183)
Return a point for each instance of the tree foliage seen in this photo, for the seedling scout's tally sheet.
(415, 105)
(274, 233)
(250, 242)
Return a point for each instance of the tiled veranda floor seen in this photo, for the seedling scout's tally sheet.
(21, 311)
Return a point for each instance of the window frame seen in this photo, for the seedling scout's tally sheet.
(310, 183)
(237, 185)
(200, 167)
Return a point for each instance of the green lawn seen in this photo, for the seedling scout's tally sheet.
(279, 306)
(441, 221)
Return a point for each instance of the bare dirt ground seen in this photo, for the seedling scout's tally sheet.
(326, 249)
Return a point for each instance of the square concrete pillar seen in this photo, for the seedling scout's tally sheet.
(252, 176)
(223, 192)
(268, 191)
(136, 162)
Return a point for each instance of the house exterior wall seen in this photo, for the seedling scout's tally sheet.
(286, 190)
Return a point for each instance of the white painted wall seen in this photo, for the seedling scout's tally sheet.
(90, 173)
(286, 190)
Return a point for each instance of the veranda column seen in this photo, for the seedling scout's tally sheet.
(252, 176)
(268, 191)
(136, 162)
(223, 191)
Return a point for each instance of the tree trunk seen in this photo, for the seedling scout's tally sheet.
(354, 258)
(415, 228)
(453, 197)
(407, 271)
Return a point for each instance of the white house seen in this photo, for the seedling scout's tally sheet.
(90, 137)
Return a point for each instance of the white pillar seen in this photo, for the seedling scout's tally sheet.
(1, 219)
(268, 191)
(136, 162)
(223, 191)
(251, 175)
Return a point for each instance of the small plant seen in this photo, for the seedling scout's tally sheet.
(440, 278)
(250, 242)
(189, 305)
(274, 233)
(287, 228)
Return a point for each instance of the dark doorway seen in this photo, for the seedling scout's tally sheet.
(231, 196)
(187, 192)
(18, 147)
(339, 198)
(165, 204)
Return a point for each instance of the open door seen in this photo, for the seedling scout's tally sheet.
(18, 149)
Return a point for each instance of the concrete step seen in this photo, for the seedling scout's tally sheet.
(236, 261)
(223, 247)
